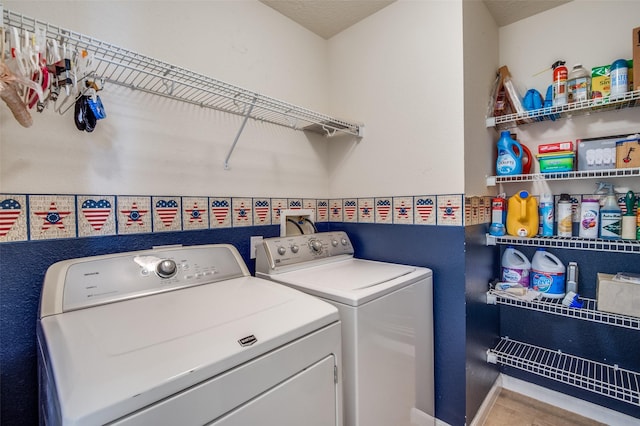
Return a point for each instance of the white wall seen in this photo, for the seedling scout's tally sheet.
(149, 145)
(480, 65)
(400, 72)
(591, 32)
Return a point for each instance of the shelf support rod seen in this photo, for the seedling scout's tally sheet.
(235, 141)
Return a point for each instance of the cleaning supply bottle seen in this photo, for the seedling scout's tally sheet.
(522, 215)
(547, 275)
(546, 215)
(610, 214)
(498, 216)
(638, 220)
(629, 218)
(579, 84)
(509, 161)
(589, 218)
(515, 267)
(565, 216)
(559, 83)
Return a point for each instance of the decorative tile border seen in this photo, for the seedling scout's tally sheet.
(25, 217)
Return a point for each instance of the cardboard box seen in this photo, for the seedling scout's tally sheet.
(600, 82)
(636, 58)
(618, 297)
(597, 153)
(628, 153)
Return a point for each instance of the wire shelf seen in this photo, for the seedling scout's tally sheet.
(575, 243)
(576, 175)
(124, 67)
(603, 379)
(628, 100)
(589, 311)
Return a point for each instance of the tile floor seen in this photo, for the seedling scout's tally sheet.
(514, 409)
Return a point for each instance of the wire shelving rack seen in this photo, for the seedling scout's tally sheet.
(608, 380)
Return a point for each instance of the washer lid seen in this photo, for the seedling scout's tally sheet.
(113, 359)
(351, 281)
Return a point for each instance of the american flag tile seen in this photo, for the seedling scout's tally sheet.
(13, 218)
(134, 215)
(195, 213)
(294, 203)
(335, 210)
(424, 210)
(277, 205)
(450, 212)
(366, 210)
(96, 215)
(167, 214)
(471, 213)
(350, 209)
(52, 216)
(384, 213)
(310, 204)
(242, 212)
(322, 212)
(403, 210)
(261, 211)
(484, 209)
(220, 208)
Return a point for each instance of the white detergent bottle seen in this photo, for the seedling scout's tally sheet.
(547, 275)
(515, 267)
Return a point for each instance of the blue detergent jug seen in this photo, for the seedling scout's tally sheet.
(509, 161)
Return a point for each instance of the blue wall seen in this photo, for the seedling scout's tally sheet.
(23, 265)
(597, 342)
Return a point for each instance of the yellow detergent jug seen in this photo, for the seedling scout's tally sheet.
(522, 215)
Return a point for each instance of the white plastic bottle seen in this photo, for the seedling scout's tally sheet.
(579, 84)
(589, 218)
(515, 267)
(547, 275)
(565, 216)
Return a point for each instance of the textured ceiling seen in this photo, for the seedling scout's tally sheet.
(327, 18)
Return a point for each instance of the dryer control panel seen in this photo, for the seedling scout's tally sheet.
(286, 251)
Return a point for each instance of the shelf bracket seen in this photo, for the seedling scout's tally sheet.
(491, 240)
(492, 358)
(235, 141)
(491, 298)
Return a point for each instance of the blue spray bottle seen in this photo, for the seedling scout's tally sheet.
(508, 162)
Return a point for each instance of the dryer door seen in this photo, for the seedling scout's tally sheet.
(283, 406)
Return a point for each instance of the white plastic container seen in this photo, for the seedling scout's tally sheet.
(547, 275)
(515, 267)
(579, 84)
(589, 218)
(565, 216)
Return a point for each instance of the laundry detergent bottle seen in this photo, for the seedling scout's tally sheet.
(509, 161)
(547, 275)
(515, 267)
(522, 215)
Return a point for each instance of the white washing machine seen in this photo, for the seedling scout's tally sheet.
(183, 336)
(387, 323)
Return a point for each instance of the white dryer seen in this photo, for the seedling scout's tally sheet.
(387, 323)
(183, 336)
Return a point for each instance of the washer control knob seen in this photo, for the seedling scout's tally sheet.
(334, 243)
(295, 248)
(282, 251)
(166, 268)
(344, 241)
(316, 246)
